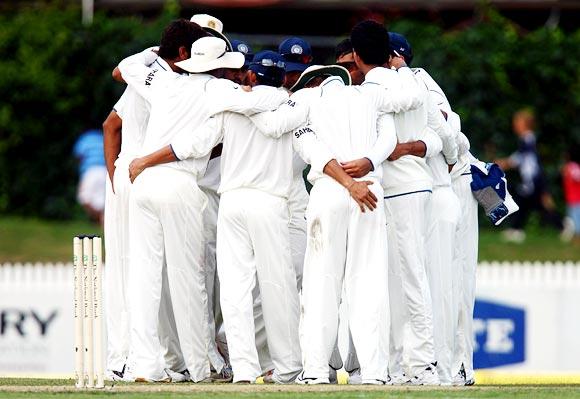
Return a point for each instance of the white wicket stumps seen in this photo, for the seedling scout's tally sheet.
(88, 277)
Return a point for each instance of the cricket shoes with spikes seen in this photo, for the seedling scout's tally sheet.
(428, 376)
(302, 380)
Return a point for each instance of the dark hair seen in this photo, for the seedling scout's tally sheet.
(274, 78)
(370, 40)
(179, 33)
(342, 48)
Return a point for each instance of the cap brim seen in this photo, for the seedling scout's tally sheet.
(220, 35)
(319, 70)
(296, 66)
(232, 60)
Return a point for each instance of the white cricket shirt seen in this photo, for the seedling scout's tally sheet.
(252, 158)
(182, 103)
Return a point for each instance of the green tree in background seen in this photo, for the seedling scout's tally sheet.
(55, 82)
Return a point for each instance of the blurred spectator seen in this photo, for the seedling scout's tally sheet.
(571, 182)
(89, 152)
(532, 192)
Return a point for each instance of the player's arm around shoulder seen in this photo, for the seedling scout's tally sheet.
(225, 95)
(136, 72)
(289, 116)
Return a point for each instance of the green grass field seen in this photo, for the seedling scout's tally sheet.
(39, 388)
(32, 240)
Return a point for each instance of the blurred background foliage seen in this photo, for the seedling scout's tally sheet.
(55, 82)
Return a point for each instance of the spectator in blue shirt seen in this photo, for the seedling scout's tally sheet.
(88, 150)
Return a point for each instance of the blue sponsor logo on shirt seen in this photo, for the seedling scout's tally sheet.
(499, 334)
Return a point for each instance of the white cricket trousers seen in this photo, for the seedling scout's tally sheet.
(116, 266)
(116, 281)
(297, 202)
(467, 244)
(210, 215)
(345, 247)
(443, 276)
(253, 246)
(410, 300)
(166, 225)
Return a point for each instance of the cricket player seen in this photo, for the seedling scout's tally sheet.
(408, 185)
(346, 246)
(208, 183)
(467, 241)
(442, 223)
(167, 205)
(345, 58)
(124, 133)
(245, 251)
(297, 55)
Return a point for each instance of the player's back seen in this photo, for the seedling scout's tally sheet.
(179, 104)
(408, 172)
(250, 159)
(345, 119)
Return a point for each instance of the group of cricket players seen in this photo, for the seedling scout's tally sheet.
(222, 267)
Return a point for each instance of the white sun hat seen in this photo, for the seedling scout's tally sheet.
(209, 53)
(211, 25)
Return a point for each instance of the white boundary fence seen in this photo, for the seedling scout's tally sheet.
(527, 318)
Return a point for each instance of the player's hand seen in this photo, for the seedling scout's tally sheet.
(246, 88)
(450, 167)
(397, 62)
(135, 168)
(358, 167)
(359, 191)
(398, 152)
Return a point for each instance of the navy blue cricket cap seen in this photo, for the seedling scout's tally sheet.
(244, 48)
(268, 64)
(399, 44)
(297, 54)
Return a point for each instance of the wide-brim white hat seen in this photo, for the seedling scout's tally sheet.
(321, 70)
(209, 53)
(213, 26)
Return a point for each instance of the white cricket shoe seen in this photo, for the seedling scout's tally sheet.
(428, 376)
(311, 381)
(399, 379)
(177, 377)
(354, 377)
(114, 375)
(459, 379)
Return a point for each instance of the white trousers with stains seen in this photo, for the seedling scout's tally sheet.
(344, 247)
(443, 276)
(253, 246)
